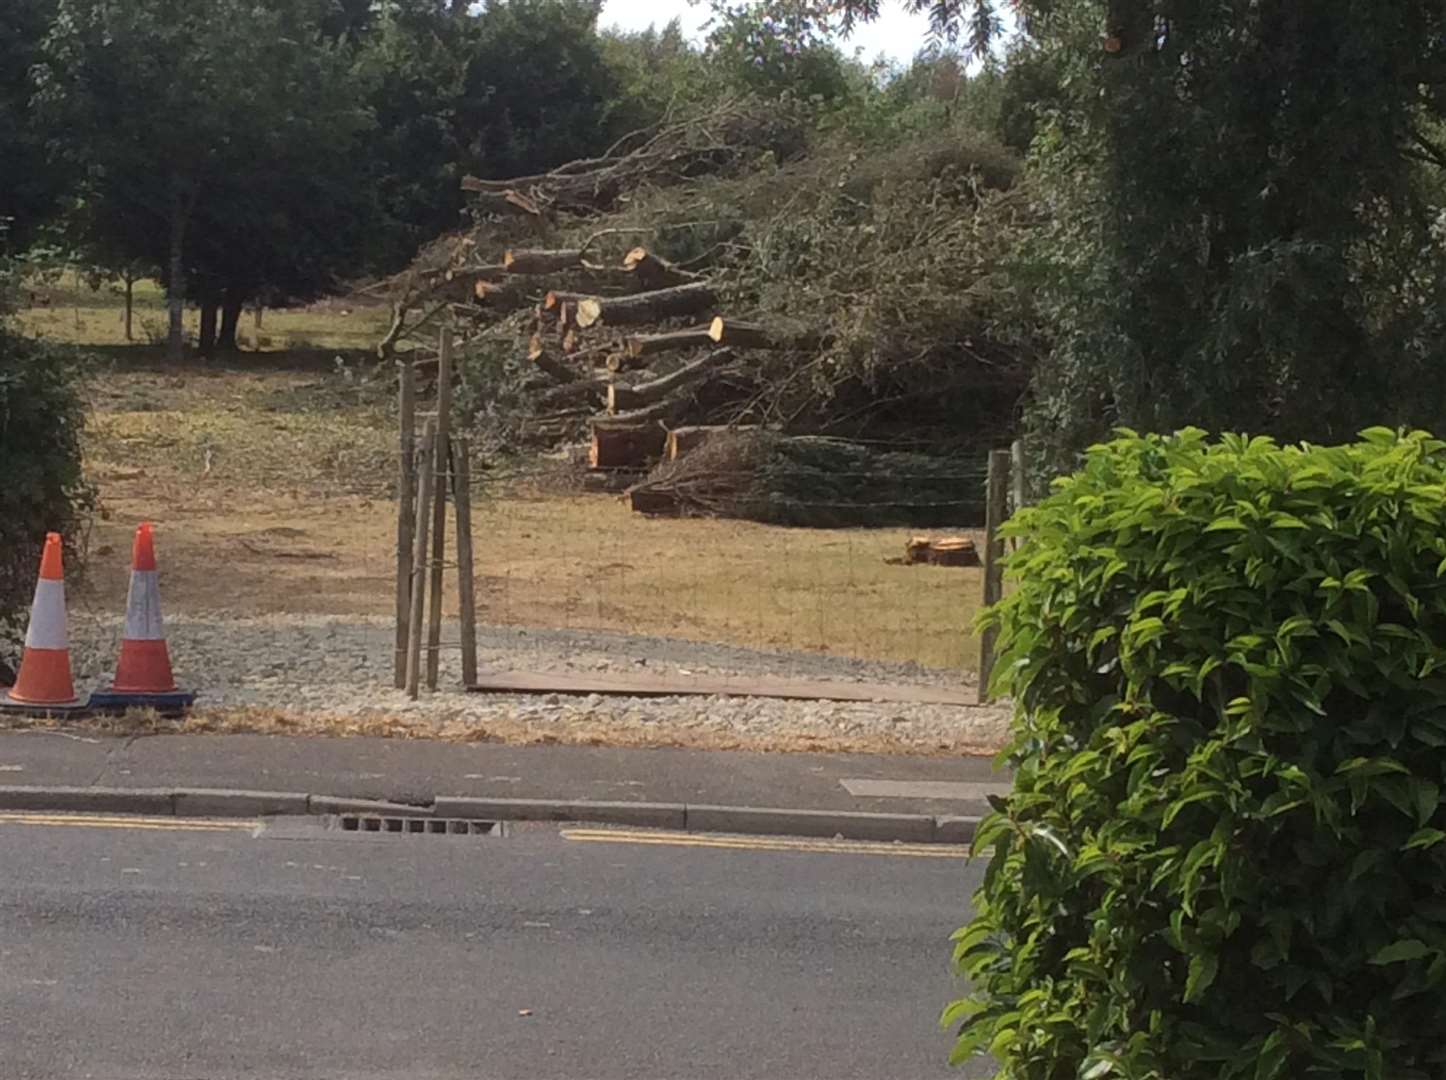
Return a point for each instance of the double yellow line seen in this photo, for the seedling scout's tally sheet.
(122, 821)
(764, 843)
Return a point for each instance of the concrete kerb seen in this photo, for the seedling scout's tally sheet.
(751, 820)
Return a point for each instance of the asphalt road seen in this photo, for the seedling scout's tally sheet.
(161, 953)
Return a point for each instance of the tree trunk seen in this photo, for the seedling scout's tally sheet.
(206, 339)
(176, 284)
(130, 304)
(231, 307)
(646, 307)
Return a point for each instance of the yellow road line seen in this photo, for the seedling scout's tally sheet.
(761, 843)
(120, 821)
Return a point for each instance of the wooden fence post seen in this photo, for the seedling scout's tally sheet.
(443, 458)
(996, 510)
(406, 512)
(466, 596)
(419, 562)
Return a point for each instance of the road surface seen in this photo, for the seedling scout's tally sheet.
(173, 950)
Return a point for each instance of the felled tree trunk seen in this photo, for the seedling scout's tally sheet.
(624, 446)
(631, 397)
(646, 307)
(640, 345)
(746, 335)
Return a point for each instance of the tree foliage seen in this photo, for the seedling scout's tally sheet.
(1224, 851)
(1240, 236)
(41, 418)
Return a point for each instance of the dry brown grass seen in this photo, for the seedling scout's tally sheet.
(268, 476)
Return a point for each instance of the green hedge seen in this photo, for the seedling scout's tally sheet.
(41, 486)
(1223, 855)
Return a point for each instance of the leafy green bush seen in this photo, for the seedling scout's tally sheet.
(1225, 851)
(42, 489)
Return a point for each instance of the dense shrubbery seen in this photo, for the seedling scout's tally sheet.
(42, 490)
(1223, 856)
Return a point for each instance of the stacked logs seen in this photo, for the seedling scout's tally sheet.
(596, 333)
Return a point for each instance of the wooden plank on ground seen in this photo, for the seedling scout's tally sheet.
(602, 683)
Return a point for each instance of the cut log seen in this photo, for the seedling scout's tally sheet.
(621, 446)
(537, 261)
(632, 397)
(945, 551)
(653, 502)
(916, 550)
(496, 297)
(640, 345)
(954, 551)
(653, 272)
(683, 439)
(646, 307)
(746, 335)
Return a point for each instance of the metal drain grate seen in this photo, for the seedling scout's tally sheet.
(416, 826)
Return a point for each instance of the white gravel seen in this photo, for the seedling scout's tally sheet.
(335, 674)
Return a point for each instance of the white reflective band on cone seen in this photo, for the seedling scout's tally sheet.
(47, 616)
(143, 607)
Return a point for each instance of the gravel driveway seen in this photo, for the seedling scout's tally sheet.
(332, 675)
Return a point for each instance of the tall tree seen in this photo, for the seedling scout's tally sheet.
(538, 87)
(413, 64)
(167, 105)
(29, 184)
(1242, 200)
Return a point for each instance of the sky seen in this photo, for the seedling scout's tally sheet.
(895, 34)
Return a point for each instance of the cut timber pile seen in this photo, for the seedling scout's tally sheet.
(651, 314)
(945, 551)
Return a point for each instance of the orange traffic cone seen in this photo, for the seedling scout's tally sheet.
(44, 681)
(143, 676)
